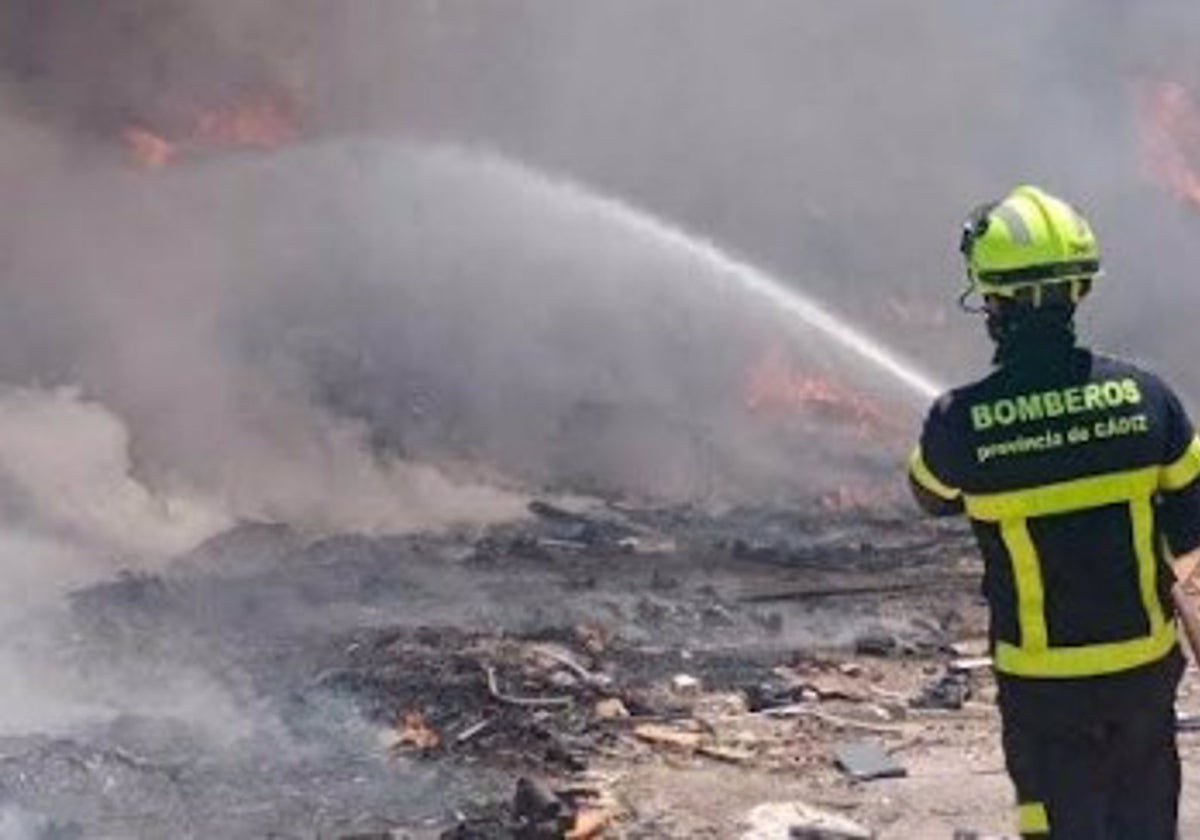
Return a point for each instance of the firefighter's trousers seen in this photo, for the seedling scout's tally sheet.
(1094, 759)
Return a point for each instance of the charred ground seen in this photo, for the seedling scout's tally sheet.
(387, 683)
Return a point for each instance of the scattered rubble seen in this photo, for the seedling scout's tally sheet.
(971, 664)
(539, 812)
(866, 760)
(589, 823)
(800, 821)
(673, 737)
(686, 685)
(599, 659)
(949, 691)
(610, 708)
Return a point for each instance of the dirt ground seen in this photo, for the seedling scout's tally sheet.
(955, 781)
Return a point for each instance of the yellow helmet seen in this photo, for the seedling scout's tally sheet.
(1030, 247)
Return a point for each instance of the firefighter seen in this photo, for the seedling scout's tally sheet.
(1078, 473)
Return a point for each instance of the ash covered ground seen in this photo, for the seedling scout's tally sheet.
(275, 685)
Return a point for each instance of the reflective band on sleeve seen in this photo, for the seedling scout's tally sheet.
(1032, 818)
(1183, 470)
(922, 475)
(1087, 660)
(1065, 496)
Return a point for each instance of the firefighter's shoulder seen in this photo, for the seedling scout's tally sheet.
(952, 408)
(1150, 387)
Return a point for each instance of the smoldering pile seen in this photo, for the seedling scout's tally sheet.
(271, 681)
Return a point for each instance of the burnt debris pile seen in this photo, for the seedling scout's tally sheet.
(275, 681)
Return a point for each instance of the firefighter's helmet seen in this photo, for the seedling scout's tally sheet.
(1031, 248)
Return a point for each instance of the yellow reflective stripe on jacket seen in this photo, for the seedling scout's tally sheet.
(1032, 818)
(1027, 575)
(921, 473)
(1087, 660)
(1065, 496)
(1012, 511)
(1141, 514)
(1183, 470)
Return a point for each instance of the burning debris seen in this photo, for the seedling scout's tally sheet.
(1169, 138)
(257, 124)
(773, 385)
(413, 732)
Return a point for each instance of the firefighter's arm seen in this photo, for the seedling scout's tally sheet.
(1179, 513)
(1179, 517)
(1187, 566)
(933, 495)
(1185, 594)
(931, 467)
(1179, 482)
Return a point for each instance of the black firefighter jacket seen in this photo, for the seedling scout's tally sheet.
(1079, 476)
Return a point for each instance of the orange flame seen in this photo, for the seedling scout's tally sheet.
(1169, 140)
(413, 731)
(849, 499)
(773, 385)
(256, 124)
(148, 150)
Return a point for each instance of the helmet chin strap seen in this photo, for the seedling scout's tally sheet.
(999, 327)
(965, 304)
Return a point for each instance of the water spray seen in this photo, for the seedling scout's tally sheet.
(753, 279)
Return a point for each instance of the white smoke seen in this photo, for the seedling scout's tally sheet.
(358, 336)
(65, 468)
(347, 336)
(72, 507)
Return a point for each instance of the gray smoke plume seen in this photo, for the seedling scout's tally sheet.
(365, 334)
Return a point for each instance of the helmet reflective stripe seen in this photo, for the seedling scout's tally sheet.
(1027, 243)
(1081, 225)
(1017, 228)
